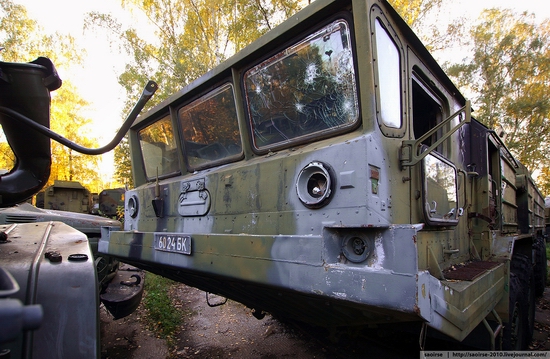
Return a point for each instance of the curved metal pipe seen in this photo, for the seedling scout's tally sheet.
(25, 119)
(147, 93)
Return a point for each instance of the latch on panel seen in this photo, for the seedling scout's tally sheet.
(193, 199)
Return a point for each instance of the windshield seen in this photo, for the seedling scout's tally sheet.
(210, 128)
(158, 148)
(308, 88)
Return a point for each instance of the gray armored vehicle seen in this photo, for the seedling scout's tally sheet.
(88, 224)
(69, 196)
(332, 173)
(72, 196)
(110, 202)
(51, 276)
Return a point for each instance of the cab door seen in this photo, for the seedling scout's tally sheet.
(436, 181)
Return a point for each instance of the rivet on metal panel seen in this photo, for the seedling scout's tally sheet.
(54, 257)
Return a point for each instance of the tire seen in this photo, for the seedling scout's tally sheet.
(522, 268)
(514, 330)
(531, 308)
(541, 273)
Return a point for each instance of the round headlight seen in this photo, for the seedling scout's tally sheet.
(133, 206)
(314, 185)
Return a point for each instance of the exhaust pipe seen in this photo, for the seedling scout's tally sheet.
(25, 89)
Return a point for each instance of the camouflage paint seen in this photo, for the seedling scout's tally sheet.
(372, 251)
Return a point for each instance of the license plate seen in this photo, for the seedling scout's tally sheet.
(173, 242)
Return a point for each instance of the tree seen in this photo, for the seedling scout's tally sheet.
(415, 11)
(508, 76)
(123, 169)
(7, 158)
(191, 37)
(422, 15)
(68, 164)
(24, 41)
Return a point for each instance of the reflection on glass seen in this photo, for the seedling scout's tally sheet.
(210, 128)
(440, 190)
(307, 88)
(389, 83)
(158, 148)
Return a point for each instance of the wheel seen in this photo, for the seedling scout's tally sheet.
(523, 269)
(514, 332)
(541, 273)
(529, 292)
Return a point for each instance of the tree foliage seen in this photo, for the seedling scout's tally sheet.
(123, 168)
(508, 76)
(414, 12)
(190, 38)
(68, 164)
(23, 41)
(422, 15)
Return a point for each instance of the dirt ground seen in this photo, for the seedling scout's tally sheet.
(224, 331)
(230, 331)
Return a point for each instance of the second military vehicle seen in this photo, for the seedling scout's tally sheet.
(51, 278)
(69, 196)
(72, 196)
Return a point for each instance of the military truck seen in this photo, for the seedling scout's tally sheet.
(51, 276)
(332, 173)
(72, 196)
(69, 196)
(110, 202)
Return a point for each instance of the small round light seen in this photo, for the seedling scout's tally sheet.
(314, 185)
(356, 247)
(133, 206)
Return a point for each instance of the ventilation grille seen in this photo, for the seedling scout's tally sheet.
(20, 219)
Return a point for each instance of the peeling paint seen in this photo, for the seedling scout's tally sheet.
(423, 290)
(340, 295)
(379, 255)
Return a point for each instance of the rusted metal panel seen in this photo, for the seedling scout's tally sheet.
(469, 271)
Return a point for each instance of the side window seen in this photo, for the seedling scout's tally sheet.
(440, 191)
(158, 148)
(210, 129)
(388, 81)
(305, 91)
(428, 111)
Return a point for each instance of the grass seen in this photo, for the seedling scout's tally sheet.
(163, 315)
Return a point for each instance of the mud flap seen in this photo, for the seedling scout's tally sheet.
(123, 294)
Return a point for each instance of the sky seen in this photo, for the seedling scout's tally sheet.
(96, 79)
(97, 82)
